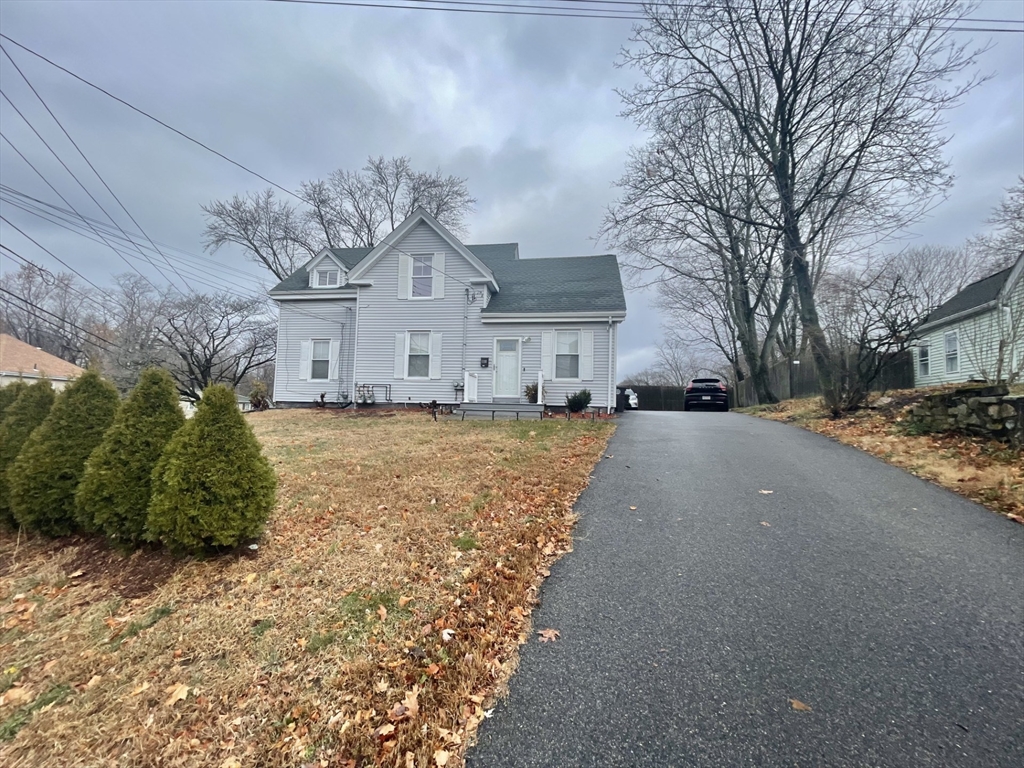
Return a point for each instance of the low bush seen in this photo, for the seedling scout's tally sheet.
(21, 417)
(116, 488)
(578, 401)
(45, 476)
(531, 393)
(212, 487)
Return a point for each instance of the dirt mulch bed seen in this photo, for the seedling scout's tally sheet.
(374, 625)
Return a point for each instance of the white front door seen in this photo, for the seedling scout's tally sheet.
(506, 368)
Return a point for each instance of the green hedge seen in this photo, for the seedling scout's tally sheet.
(116, 488)
(212, 487)
(21, 417)
(44, 478)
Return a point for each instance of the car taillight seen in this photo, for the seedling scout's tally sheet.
(689, 387)
(721, 386)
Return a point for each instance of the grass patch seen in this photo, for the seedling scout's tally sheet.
(356, 576)
(20, 717)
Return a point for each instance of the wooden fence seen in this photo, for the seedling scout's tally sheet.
(801, 379)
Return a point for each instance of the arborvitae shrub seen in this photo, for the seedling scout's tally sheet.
(45, 476)
(9, 394)
(578, 401)
(20, 418)
(212, 487)
(117, 485)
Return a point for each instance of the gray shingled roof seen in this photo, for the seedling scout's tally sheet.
(574, 284)
(974, 295)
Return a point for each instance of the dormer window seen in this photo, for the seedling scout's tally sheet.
(327, 278)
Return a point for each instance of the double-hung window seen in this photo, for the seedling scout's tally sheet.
(327, 278)
(923, 361)
(422, 277)
(320, 360)
(419, 355)
(567, 355)
(952, 352)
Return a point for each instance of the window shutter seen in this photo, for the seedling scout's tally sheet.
(547, 355)
(332, 370)
(437, 288)
(399, 355)
(587, 355)
(404, 276)
(304, 357)
(435, 355)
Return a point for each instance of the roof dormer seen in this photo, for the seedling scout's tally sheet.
(326, 271)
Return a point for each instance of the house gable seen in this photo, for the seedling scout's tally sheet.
(326, 270)
(393, 243)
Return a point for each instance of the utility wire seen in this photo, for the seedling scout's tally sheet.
(96, 172)
(72, 173)
(63, 321)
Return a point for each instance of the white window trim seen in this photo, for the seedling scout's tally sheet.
(945, 352)
(554, 353)
(925, 362)
(326, 270)
(408, 343)
(312, 347)
(412, 277)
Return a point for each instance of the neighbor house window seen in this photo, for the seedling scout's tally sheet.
(567, 355)
(326, 278)
(952, 353)
(419, 355)
(320, 362)
(422, 277)
(923, 367)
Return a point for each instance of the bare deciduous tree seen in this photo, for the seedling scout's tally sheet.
(216, 339)
(1004, 245)
(839, 104)
(349, 209)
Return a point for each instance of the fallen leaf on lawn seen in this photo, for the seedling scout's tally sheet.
(799, 706)
(93, 681)
(404, 601)
(178, 693)
(441, 758)
(447, 634)
(382, 612)
(548, 635)
(76, 574)
(411, 701)
(16, 695)
(384, 731)
(141, 688)
(765, 492)
(766, 525)
(380, 686)
(250, 578)
(231, 762)
(410, 760)
(49, 665)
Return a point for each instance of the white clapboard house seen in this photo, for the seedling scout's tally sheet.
(424, 317)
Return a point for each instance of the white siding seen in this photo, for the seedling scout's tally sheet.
(301, 321)
(979, 344)
(382, 315)
(464, 341)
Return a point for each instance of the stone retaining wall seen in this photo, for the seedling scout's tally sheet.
(980, 410)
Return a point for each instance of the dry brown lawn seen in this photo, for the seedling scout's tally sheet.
(374, 624)
(986, 471)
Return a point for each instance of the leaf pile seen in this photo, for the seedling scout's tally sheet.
(373, 625)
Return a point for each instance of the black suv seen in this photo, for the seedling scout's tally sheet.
(706, 393)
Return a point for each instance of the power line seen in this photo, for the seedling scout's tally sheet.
(72, 173)
(93, 168)
(62, 320)
(498, 10)
(146, 114)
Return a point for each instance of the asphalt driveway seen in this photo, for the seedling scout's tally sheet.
(891, 608)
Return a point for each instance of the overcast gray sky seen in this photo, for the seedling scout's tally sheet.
(522, 107)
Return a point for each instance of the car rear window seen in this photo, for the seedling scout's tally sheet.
(707, 381)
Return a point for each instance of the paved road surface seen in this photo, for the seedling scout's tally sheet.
(892, 608)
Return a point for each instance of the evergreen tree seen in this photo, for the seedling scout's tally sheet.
(115, 490)
(212, 486)
(9, 394)
(45, 476)
(20, 418)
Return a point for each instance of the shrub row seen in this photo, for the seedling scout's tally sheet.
(134, 471)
